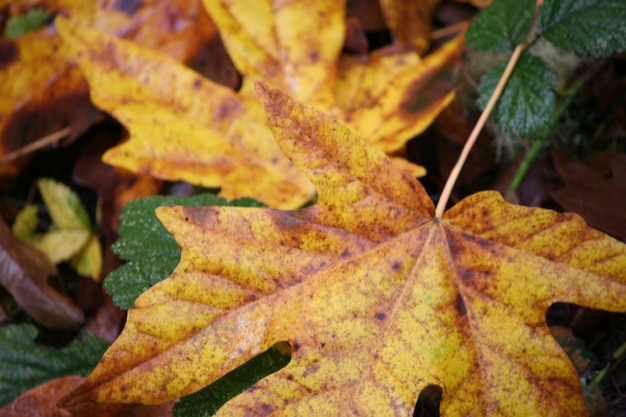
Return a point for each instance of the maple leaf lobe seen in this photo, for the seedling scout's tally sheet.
(371, 278)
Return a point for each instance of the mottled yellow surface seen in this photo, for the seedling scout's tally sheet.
(185, 127)
(377, 298)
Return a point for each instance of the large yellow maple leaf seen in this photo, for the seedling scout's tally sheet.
(185, 127)
(377, 297)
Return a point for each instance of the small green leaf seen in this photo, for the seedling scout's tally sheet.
(151, 251)
(209, 400)
(25, 366)
(586, 27)
(528, 100)
(18, 26)
(64, 206)
(501, 26)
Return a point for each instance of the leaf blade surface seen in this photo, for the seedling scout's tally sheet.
(377, 298)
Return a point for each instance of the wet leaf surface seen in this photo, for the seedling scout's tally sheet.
(378, 299)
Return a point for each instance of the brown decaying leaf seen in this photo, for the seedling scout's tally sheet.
(24, 272)
(42, 401)
(377, 298)
(599, 200)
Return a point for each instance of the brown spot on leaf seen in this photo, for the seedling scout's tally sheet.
(314, 56)
(128, 6)
(226, 108)
(460, 305)
(426, 90)
(8, 54)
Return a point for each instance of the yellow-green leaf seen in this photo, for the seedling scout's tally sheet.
(378, 298)
(26, 223)
(62, 244)
(64, 206)
(88, 262)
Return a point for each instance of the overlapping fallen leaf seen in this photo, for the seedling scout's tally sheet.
(186, 127)
(42, 91)
(377, 297)
(42, 401)
(599, 199)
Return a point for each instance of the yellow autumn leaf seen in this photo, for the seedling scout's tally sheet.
(64, 206)
(88, 262)
(396, 97)
(72, 238)
(185, 127)
(43, 92)
(61, 244)
(378, 298)
(388, 97)
(26, 223)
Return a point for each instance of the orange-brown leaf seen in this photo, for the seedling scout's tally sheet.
(42, 401)
(24, 272)
(377, 298)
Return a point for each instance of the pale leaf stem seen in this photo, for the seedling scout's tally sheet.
(454, 174)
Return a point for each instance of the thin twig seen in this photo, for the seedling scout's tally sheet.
(454, 175)
(449, 30)
(43, 142)
(38, 144)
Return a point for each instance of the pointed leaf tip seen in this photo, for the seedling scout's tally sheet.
(270, 96)
(343, 167)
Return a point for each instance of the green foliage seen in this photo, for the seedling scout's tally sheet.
(526, 105)
(18, 26)
(24, 365)
(586, 27)
(208, 401)
(501, 26)
(151, 251)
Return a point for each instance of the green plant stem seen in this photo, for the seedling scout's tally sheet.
(525, 165)
(617, 355)
(531, 155)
